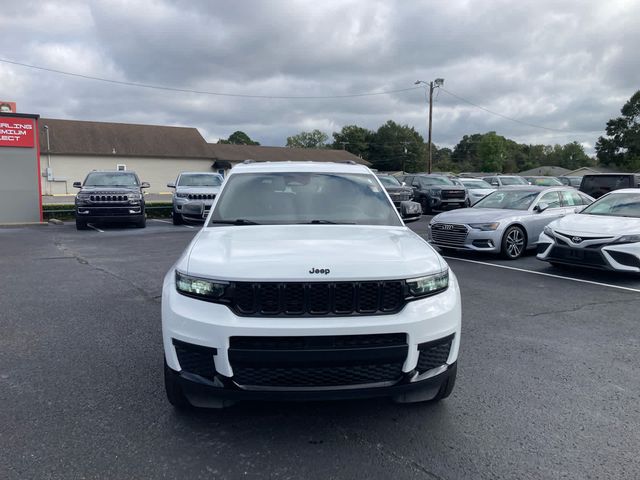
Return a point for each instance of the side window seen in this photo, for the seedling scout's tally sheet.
(571, 199)
(550, 198)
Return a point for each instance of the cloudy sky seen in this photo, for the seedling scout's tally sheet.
(567, 66)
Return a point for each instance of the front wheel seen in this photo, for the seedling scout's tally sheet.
(514, 243)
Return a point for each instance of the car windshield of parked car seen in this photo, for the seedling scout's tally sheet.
(546, 182)
(199, 180)
(287, 198)
(513, 181)
(508, 199)
(616, 205)
(479, 184)
(389, 181)
(111, 179)
(436, 181)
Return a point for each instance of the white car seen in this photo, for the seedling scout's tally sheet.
(304, 283)
(476, 188)
(605, 235)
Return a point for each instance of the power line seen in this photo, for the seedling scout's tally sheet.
(203, 92)
(505, 116)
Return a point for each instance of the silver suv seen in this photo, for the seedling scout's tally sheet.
(194, 194)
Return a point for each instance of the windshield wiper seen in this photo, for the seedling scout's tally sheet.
(325, 222)
(237, 221)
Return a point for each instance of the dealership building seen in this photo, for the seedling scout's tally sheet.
(69, 149)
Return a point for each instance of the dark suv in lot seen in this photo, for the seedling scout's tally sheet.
(108, 196)
(598, 184)
(436, 192)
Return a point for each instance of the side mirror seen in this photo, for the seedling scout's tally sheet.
(77, 184)
(145, 185)
(410, 211)
(541, 207)
(171, 185)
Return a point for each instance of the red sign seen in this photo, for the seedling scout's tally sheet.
(17, 132)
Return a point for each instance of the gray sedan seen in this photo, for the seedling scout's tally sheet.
(507, 221)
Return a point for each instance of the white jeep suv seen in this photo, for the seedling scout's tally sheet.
(304, 284)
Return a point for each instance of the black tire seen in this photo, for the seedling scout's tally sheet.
(447, 386)
(81, 225)
(142, 223)
(172, 387)
(514, 243)
(177, 218)
(426, 206)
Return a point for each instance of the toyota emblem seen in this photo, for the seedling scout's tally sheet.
(576, 239)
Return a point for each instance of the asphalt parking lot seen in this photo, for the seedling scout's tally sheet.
(548, 384)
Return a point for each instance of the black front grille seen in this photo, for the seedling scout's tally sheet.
(434, 354)
(452, 194)
(333, 376)
(449, 234)
(315, 298)
(577, 256)
(195, 359)
(109, 198)
(317, 361)
(201, 196)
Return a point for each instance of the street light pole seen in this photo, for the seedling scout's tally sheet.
(438, 82)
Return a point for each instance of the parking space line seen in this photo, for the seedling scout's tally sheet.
(629, 289)
(95, 228)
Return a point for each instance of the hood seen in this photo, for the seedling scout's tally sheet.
(479, 215)
(289, 252)
(594, 225)
(110, 189)
(215, 190)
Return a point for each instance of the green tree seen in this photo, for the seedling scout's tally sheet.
(238, 138)
(492, 151)
(395, 146)
(621, 145)
(313, 139)
(354, 139)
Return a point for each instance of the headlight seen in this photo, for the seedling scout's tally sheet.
(547, 231)
(435, 192)
(628, 239)
(429, 285)
(485, 226)
(199, 287)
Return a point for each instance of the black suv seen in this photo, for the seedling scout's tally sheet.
(110, 196)
(597, 185)
(436, 192)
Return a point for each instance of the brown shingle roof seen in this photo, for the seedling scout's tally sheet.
(259, 153)
(72, 137)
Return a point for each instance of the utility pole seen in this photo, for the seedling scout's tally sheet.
(429, 162)
(438, 82)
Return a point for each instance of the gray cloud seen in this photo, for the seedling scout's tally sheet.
(567, 65)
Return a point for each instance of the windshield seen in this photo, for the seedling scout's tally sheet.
(480, 184)
(437, 181)
(388, 181)
(287, 198)
(508, 199)
(111, 179)
(199, 180)
(616, 205)
(513, 181)
(545, 181)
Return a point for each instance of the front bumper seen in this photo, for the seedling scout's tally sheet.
(212, 326)
(624, 257)
(473, 239)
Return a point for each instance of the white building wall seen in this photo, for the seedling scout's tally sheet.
(67, 169)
